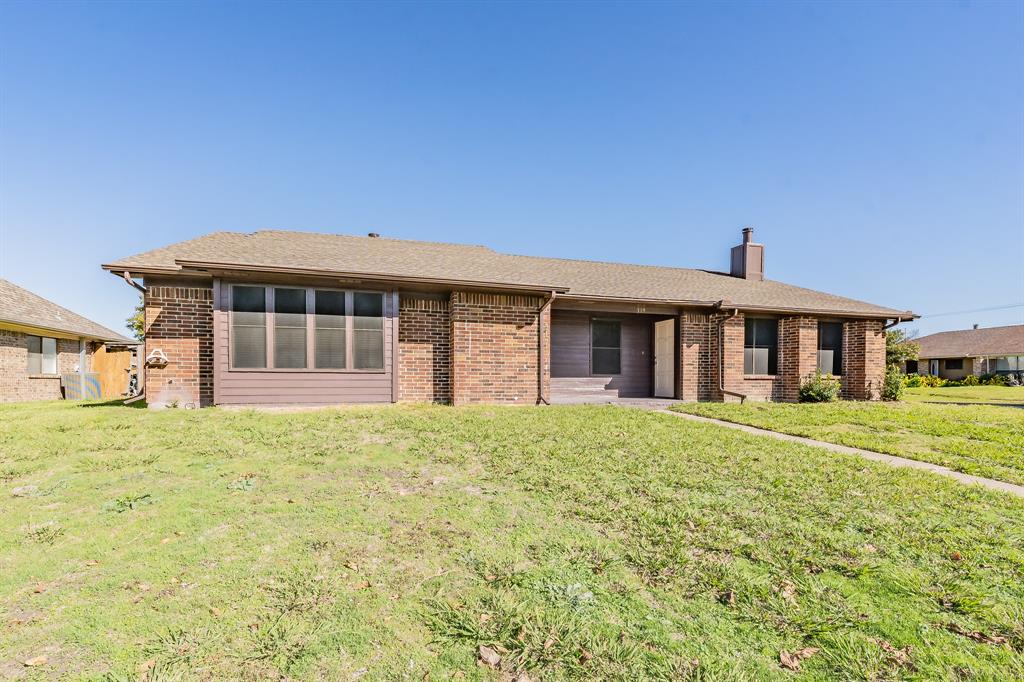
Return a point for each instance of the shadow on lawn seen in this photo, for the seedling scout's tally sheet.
(117, 402)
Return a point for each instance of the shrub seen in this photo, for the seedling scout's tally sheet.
(926, 380)
(892, 387)
(821, 388)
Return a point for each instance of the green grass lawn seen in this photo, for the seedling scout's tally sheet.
(967, 394)
(575, 542)
(976, 439)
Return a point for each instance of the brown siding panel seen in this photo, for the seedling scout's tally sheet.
(570, 350)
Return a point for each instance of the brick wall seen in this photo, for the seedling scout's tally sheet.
(698, 357)
(16, 384)
(496, 348)
(179, 321)
(863, 359)
(798, 353)
(755, 388)
(424, 350)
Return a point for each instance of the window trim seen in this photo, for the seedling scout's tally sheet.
(755, 375)
(268, 289)
(590, 346)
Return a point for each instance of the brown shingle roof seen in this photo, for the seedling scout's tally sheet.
(21, 306)
(426, 261)
(973, 342)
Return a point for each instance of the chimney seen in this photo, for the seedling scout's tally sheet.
(975, 325)
(748, 258)
(373, 235)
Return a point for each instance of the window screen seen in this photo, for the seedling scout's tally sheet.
(954, 364)
(248, 327)
(760, 346)
(911, 366)
(605, 347)
(290, 328)
(830, 348)
(368, 331)
(330, 330)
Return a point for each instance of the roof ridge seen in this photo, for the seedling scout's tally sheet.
(363, 236)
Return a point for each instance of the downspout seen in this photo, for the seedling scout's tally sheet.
(721, 354)
(540, 349)
(140, 357)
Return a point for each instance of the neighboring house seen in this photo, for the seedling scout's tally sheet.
(40, 341)
(954, 355)
(276, 317)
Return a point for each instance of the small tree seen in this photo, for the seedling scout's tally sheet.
(899, 348)
(136, 322)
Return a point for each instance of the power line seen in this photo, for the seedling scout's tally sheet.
(976, 310)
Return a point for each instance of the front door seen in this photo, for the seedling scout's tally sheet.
(664, 373)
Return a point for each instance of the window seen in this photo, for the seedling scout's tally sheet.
(761, 346)
(368, 331)
(605, 347)
(329, 340)
(830, 348)
(311, 328)
(911, 366)
(248, 327)
(954, 364)
(290, 328)
(42, 355)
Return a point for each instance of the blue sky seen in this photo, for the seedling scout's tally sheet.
(878, 149)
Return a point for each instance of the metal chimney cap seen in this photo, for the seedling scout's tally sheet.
(748, 234)
(373, 235)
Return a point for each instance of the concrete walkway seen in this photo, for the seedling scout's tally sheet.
(867, 454)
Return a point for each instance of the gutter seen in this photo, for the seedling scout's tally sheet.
(721, 354)
(540, 348)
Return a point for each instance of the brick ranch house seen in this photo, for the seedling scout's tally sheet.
(41, 342)
(277, 317)
(978, 351)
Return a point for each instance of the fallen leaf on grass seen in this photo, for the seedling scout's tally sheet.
(728, 598)
(791, 661)
(956, 556)
(788, 591)
(92, 562)
(146, 666)
(489, 656)
(36, 661)
(39, 588)
(900, 657)
(976, 635)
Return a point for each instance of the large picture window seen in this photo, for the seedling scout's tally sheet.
(830, 348)
(290, 328)
(368, 327)
(323, 329)
(761, 346)
(249, 327)
(605, 347)
(329, 340)
(42, 355)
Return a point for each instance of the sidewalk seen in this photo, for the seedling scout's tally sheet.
(867, 454)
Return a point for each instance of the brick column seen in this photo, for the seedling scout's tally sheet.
(863, 359)
(697, 357)
(496, 348)
(798, 353)
(179, 322)
(732, 358)
(424, 350)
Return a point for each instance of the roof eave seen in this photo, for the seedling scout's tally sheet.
(33, 327)
(374, 276)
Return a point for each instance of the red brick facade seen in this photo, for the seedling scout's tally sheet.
(798, 353)
(424, 350)
(179, 322)
(863, 359)
(496, 348)
(484, 347)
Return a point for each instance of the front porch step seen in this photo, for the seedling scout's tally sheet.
(579, 388)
